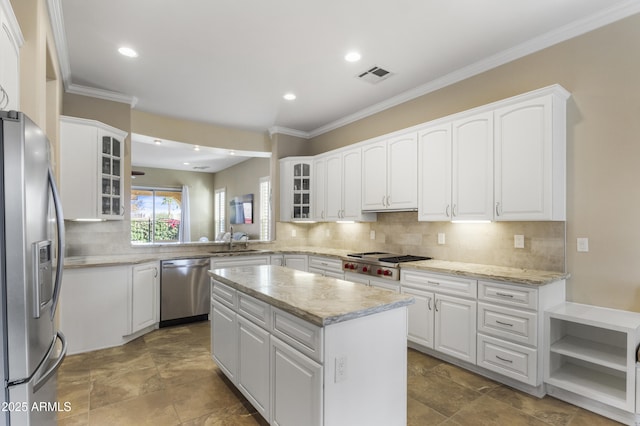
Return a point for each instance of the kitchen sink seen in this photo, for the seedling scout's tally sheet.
(235, 251)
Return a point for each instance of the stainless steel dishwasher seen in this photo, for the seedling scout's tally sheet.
(184, 291)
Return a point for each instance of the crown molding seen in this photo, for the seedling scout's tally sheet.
(574, 29)
(60, 40)
(108, 95)
(12, 21)
(287, 131)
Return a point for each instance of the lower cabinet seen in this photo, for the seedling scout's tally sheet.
(253, 365)
(296, 261)
(329, 267)
(296, 387)
(455, 327)
(223, 331)
(144, 296)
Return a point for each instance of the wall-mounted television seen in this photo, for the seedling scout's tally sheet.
(241, 209)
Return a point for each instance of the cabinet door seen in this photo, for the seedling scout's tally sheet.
(320, 193)
(110, 168)
(402, 172)
(253, 365)
(472, 168)
(374, 176)
(352, 185)
(455, 327)
(301, 190)
(295, 261)
(434, 174)
(334, 186)
(224, 339)
(144, 297)
(420, 317)
(523, 156)
(286, 190)
(296, 387)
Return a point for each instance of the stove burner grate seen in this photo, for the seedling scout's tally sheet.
(405, 258)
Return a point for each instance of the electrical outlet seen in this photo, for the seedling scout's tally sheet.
(518, 241)
(293, 232)
(440, 237)
(583, 244)
(341, 369)
(327, 233)
(372, 234)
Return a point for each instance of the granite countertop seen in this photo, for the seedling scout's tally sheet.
(320, 300)
(472, 270)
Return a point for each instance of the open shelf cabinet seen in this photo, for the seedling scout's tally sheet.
(591, 352)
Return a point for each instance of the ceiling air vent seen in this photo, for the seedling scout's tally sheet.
(200, 167)
(375, 75)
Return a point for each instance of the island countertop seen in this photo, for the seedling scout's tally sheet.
(320, 300)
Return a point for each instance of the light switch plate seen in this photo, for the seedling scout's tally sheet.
(372, 234)
(293, 232)
(583, 244)
(440, 237)
(518, 241)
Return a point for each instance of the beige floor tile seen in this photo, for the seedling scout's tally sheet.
(106, 390)
(76, 394)
(150, 409)
(440, 393)
(466, 378)
(419, 363)
(419, 414)
(548, 409)
(486, 411)
(584, 417)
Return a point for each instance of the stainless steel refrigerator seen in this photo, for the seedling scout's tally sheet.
(31, 256)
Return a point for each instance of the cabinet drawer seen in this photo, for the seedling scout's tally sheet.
(224, 294)
(325, 263)
(507, 323)
(254, 310)
(508, 294)
(440, 283)
(302, 335)
(509, 359)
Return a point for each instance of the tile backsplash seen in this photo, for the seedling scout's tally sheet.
(485, 243)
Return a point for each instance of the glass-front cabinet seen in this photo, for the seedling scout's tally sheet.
(91, 170)
(111, 186)
(296, 187)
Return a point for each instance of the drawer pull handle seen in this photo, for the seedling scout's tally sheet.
(504, 323)
(505, 360)
(505, 295)
(433, 283)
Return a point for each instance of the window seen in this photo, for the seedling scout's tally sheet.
(265, 208)
(219, 201)
(155, 215)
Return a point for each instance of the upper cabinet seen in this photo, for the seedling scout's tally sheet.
(530, 158)
(344, 188)
(91, 169)
(390, 174)
(10, 41)
(295, 188)
(504, 161)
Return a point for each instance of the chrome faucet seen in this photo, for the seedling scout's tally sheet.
(231, 238)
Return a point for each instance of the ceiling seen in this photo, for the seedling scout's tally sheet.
(229, 62)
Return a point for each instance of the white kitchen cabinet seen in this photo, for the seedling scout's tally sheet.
(296, 387)
(590, 356)
(224, 339)
(91, 169)
(444, 315)
(94, 313)
(296, 261)
(390, 174)
(420, 316)
(434, 173)
(472, 168)
(327, 266)
(530, 158)
(253, 365)
(343, 186)
(144, 296)
(239, 260)
(10, 42)
(319, 189)
(276, 259)
(296, 175)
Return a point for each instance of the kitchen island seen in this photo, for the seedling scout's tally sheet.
(312, 350)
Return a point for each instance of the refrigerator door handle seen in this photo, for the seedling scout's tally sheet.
(60, 258)
(51, 371)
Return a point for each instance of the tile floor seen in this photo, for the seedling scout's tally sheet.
(167, 377)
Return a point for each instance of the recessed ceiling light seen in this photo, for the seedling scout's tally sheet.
(352, 57)
(289, 96)
(186, 164)
(128, 52)
(196, 148)
(232, 153)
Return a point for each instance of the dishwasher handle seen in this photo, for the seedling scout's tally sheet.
(184, 264)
